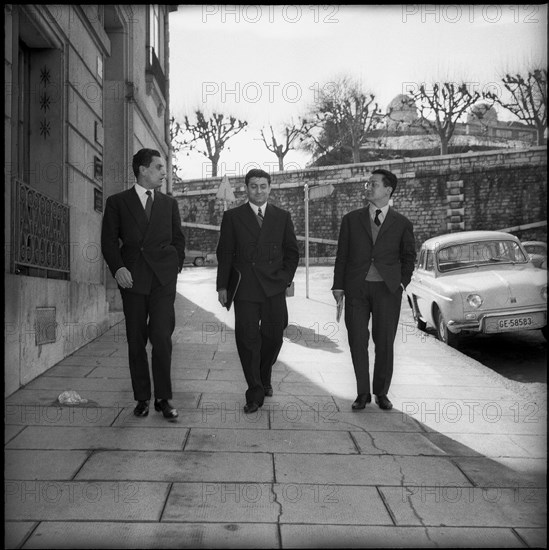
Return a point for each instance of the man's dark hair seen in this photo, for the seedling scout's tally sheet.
(257, 173)
(143, 157)
(389, 179)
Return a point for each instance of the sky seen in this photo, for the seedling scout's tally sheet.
(266, 64)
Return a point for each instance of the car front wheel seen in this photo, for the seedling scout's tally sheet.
(443, 334)
(198, 262)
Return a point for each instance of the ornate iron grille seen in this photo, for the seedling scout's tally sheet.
(40, 231)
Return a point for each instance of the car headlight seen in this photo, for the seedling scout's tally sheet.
(474, 300)
(544, 292)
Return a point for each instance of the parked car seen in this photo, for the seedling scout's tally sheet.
(197, 257)
(477, 282)
(537, 251)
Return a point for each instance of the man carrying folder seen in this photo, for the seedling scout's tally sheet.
(257, 258)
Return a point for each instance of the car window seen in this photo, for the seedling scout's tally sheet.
(430, 261)
(421, 259)
(471, 254)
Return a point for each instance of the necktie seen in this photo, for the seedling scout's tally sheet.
(260, 216)
(377, 220)
(148, 204)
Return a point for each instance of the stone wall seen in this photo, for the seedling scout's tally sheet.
(440, 194)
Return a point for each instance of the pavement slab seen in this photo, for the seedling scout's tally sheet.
(37, 414)
(326, 417)
(115, 438)
(42, 464)
(77, 500)
(124, 372)
(396, 443)
(10, 431)
(69, 371)
(461, 392)
(271, 441)
(504, 472)
(15, 532)
(329, 503)
(366, 470)
(178, 466)
(222, 502)
(81, 534)
(491, 445)
(534, 538)
(447, 505)
(353, 536)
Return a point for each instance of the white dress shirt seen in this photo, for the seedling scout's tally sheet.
(256, 208)
(142, 194)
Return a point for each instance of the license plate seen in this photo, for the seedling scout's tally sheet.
(515, 322)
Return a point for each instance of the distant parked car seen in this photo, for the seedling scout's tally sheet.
(477, 282)
(537, 251)
(197, 257)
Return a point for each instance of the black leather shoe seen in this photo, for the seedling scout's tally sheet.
(361, 401)
(383, 402)
(142, 408)
(167, 410)
(252, 407)
(268, 391)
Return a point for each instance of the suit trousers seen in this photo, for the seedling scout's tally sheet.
(150, 317)
(259, 330)
(383, 306)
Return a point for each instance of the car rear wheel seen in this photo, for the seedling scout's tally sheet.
(443, 334)
(198, 262)
(544, 331)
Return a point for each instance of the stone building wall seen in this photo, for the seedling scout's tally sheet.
(440, 194)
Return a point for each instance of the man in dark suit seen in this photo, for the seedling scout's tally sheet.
(258, 239)
(148, 225)
(374, 263)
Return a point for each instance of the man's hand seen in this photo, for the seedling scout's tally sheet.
(222, 296)
(338, 294)
(124, 278)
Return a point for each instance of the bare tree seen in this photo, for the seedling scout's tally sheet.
(175, 143)
(281, 147)
(208, 136)
(341, 118)
(528, 99)
(441, 107)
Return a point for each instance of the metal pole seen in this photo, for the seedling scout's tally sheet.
(306, 188)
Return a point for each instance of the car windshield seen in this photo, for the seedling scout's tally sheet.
(459, 256)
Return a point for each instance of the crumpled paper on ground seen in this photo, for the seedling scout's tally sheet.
(70, 397)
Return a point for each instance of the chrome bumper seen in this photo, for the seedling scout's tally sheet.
(478, 325)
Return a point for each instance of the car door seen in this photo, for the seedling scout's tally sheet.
(424, 279)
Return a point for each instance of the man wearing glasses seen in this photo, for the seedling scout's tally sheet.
(375, 258)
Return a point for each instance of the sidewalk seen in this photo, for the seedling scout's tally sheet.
(460, 461)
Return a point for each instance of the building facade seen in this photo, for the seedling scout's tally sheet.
(86, 87)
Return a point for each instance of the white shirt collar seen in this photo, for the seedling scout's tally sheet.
(142, 192)
(255, 208)
(384, 211)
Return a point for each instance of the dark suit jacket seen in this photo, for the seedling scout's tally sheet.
(394, 252)
(157, 244)
(267, 257)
